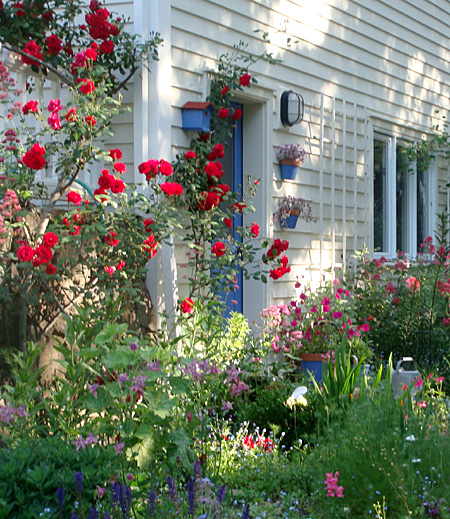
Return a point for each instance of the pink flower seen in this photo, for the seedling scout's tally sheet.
(422, 404)
(413, 284)
(119, 447)
(439, 380)
(418, 382)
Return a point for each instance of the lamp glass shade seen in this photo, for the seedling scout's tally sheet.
(292, 107)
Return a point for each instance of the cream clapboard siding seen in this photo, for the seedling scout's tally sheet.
(388, 61)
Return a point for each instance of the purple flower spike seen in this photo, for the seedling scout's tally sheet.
(78, 483)
(151, 503)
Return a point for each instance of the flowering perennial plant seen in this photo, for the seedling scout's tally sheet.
(314, 321)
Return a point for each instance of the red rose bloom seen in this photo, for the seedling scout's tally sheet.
(213, 171)
(90, 120)
(224, 90)
(209, 200)
(254, 229)
(148, 222)
(25, 253)
(87, 86)
(71, 114)
(50, 239)
(34, 50)
(34, 158)
(165, 168)
(218, 249)
(149, 168)
(111, 240)
(91, 54)
(150, 246)
(30, 106)
(120, 167)
(106, 180)
(205, 136)
(244, 80)
(190, 155)
(107, 47)
(227, 222)
(238, 206)
(54, 45)
(42, 254)
(118, 186)
(217, 152)
(50, 269)
(187, 306)
(221, 189)
(172, 188)
(115, 154)
(237, 114)
(223, 113)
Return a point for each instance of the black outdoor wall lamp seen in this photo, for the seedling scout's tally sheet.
(292, 108)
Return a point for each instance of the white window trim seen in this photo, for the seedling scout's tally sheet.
(391, 200)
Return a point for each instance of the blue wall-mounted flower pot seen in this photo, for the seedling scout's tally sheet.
(290, 222)
(288, 171)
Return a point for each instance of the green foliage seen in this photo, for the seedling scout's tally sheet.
(265, 407)
(32, 470)
(385, 449)
(408, 306)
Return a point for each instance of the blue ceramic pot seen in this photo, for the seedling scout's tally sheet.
(290, 222)
(288, 171)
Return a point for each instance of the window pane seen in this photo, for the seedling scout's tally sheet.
(402, 198)
(422, 206)
(380, 162)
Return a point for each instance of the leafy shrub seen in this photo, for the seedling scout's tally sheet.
(33, 470)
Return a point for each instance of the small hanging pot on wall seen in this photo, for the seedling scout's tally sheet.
(289, 169)
(291, 219)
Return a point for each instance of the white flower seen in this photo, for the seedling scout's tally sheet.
(411, 438)
(416, 460)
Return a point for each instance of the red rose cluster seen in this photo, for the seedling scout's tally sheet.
(282, 270)
(107, 181)
(42, 254)
(99, 26)
(152, 167)
(277, 248)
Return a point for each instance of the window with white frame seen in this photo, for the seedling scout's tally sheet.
(402, 199)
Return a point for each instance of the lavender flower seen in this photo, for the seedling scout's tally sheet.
(74, 515)
(246, 512)
(151, 503)
(93, 514)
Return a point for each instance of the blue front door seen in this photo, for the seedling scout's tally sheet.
(233, 176)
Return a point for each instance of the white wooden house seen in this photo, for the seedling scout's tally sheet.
(374, 75)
